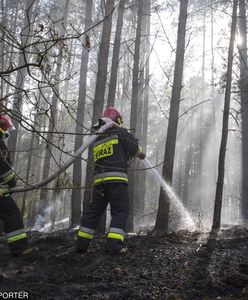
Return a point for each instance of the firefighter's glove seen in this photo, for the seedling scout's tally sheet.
(142, 155)
(12, 182)
(99, 124)
(102, 122)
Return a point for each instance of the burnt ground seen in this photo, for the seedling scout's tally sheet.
(175, 266)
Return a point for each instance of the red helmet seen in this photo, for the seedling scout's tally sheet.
(113, 114)
(5, 122)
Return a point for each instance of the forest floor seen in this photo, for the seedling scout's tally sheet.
(171, 266)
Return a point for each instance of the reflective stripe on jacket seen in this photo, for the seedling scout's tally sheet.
(110, 176)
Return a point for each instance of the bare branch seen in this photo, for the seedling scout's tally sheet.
(197, 104)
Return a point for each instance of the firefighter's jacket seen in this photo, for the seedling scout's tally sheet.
(112, 151)
(9, 212)
(7, 174)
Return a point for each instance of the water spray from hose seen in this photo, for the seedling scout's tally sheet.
(185, 221)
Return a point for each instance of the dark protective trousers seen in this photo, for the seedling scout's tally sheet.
(117, 195)
(13, 225)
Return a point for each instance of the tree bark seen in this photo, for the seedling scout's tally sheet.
(116, 54)
(222, 153)
(77, 165)
(244, 105)
(212, 48)
(99, 92)
(167, 172)
(4, 9)
(53, 117)
(10, 54)
(133, 117)
(23, 56)
(135, 80)
(144, 129)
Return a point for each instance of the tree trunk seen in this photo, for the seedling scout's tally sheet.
(212, 48)
(77, 165)
(34, 162)
(202, 130)
(116, 52)
(24, 196)
(144, 129)
(53, 117)
(99, 92)
(135, 80)
(244, 106)
(10, 54)
(4, 9)
(23, 56)
(133, 117)
(147, 20)
(222, 153)
(167, 172)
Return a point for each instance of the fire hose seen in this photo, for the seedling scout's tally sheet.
(67, 164)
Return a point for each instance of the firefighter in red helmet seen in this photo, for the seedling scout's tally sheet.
(9, 211)
(112, 151)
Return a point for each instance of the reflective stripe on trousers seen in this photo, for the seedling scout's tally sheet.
(86, 233)
(116, 233)
(16, 235)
